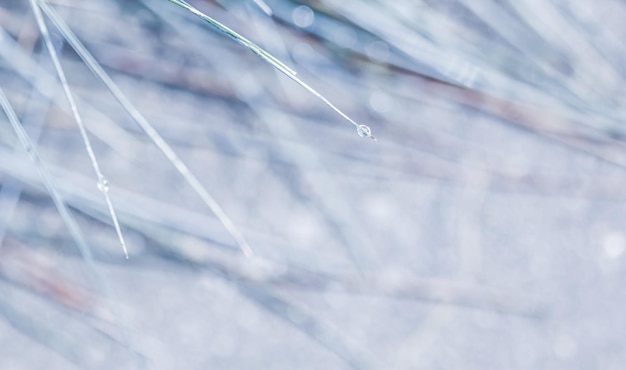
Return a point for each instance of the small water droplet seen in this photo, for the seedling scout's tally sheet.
(363, 131)
(103, 184)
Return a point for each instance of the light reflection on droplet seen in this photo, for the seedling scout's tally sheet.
(103, 184)
(303, 16)
(364, 131)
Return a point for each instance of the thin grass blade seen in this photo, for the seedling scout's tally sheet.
(66, 215)
(362, 130)
(156, 138)
(103, 185)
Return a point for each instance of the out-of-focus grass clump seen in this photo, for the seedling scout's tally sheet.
(483, 230)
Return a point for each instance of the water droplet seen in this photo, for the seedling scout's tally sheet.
(363, 131)
(103, 184)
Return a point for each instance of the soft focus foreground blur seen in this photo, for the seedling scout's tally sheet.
(486, 228)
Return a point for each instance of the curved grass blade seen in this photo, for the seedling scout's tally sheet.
(362, 130)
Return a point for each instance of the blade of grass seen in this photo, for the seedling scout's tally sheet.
(39, 331)
(103, 184)
(11, 190)
(66, 215)
(237, 37)
(362, 130)
(330, 337)
(156, 138)
(334, 215)
(264, 7)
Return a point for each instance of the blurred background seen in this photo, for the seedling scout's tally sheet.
(484, 229)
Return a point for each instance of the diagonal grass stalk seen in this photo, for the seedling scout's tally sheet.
(156, 138)
(67, 217)
(362, 130)
(103, 184)
(264, 7)
(11, 191)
